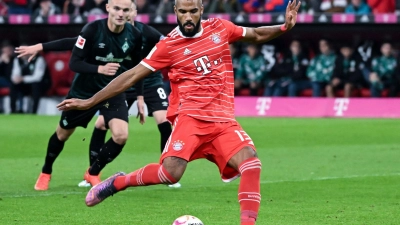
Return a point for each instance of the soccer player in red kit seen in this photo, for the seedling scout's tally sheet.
(201, 105)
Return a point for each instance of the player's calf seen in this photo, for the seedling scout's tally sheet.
(165, 131)
(249, 190)
(170, 172)
(107, 154)
(175, 166)
(249, 166)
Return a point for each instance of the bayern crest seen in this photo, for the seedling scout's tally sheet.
(216, 38)
(177, 145)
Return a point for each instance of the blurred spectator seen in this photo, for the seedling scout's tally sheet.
(251, 70)
(3, 8)
(310, 6)
(333, 5)
(95, 7)
(383, 72)
(347, 73)
(251, 6)
(397, 7)
(165, 7)
(46, 8)
(60, 3)
(275, 5)
(28, 78)
(144, 6)
(396, 82)
(297, 63)
(277, 79)
(321, 68)
(235, 55)
(382, 6)
(6, 60)
(20, 7)
(74, 7)
(358, 7)
(223, 6)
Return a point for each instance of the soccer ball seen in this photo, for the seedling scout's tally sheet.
(187, 220)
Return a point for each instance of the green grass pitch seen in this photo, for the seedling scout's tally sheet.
(315, 171)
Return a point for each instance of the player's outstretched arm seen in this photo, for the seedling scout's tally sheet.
(115, 87)
(266, 33)
(64, 44)
(31, 51)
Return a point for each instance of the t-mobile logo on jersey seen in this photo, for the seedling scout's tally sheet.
(203, 64)
(263, 105)
(341, 105)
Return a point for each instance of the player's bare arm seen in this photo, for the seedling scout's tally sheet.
(267, 33)
(115, 87)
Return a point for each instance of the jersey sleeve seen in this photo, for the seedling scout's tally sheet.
(81, 50)
(154, 36)
(151, 37)
(158, 57)
(234, 32)
(64, 44)
(85, 40)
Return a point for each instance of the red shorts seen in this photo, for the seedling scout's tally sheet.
(193, 139)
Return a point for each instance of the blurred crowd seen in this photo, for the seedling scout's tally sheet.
(86, 7)
(292, 69)
(287, 69)
(333, 71)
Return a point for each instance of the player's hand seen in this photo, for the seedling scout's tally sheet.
(110, 69)
(291, 13)
(140, 105)
(30, 51)
(74, 104)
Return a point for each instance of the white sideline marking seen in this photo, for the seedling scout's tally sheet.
(330, 178)
(44, 194)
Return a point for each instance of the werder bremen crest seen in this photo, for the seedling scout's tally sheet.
(125, 46)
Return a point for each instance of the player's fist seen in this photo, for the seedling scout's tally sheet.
(110, 69)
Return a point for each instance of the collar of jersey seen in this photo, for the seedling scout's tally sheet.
(195, 36)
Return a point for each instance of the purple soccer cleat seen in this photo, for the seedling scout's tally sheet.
(102, 190)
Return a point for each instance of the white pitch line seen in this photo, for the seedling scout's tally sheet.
(330, 178)
(45, 194)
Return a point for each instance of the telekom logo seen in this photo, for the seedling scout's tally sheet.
(263, 105)
(203, 64)
(341, 105)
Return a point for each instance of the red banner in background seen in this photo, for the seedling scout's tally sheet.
(317, 107)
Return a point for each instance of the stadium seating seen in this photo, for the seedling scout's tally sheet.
(60, 73)
(4, 92)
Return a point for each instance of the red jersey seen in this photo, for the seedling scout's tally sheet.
(201, 71)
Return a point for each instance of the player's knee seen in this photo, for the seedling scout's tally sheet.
(175, 167)
(63, 134)
(120, 137)
(100, 124)
(249, 152)
(244, 154)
